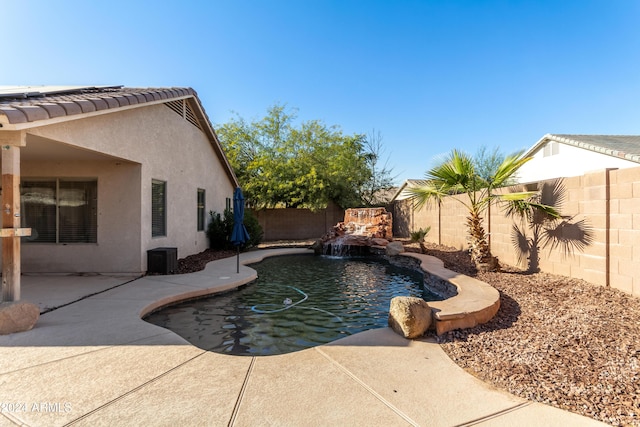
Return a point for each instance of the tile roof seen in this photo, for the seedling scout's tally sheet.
(25, 106)
(622, 146)
(31, 104)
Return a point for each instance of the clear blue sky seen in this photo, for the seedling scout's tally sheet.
(428, 75)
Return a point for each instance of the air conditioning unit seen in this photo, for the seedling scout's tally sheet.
(162, 260)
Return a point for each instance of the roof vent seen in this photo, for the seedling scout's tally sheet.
(184, 110)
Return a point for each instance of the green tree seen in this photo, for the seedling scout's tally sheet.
(486, 161)
(457, 174)
(281, 165)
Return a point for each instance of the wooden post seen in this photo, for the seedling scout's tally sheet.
(11, 231)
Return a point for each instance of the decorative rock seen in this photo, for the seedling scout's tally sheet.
(409, 316)
(379, 242)
(394, 248)
(317, 247)
(17, 317)
(370, 222)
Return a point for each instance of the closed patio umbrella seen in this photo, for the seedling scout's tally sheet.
(239, 235)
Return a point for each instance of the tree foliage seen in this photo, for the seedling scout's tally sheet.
(380, 182)
(307, 166)
(486, 161)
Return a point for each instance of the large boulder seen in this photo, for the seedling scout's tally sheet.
(17, 317)
(394, 248)
(409, 316)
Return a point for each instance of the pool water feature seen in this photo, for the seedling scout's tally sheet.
(297, 302)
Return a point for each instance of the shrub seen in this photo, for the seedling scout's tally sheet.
(217, 230)
(419, 235)
(221, 226)
(254, 229)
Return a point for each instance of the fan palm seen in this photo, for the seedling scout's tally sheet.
(457, 175)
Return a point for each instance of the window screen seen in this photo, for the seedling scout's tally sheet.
(158, 208)
(200, 209)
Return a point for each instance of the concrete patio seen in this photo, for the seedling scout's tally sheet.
(93, 361)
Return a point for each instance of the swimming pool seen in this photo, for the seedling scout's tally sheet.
(297, 302)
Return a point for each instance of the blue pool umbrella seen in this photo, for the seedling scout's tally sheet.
(239, 235)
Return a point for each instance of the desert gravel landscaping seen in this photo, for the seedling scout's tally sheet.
(559, 341)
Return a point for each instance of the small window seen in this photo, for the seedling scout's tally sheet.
(200, 209)
(158, 208)
(551, 149)
(60, 210)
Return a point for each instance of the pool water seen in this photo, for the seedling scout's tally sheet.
(297, 302)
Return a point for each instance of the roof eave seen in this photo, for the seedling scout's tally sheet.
(537, 145)
(584, 145)
(6, 125)
(213, 137)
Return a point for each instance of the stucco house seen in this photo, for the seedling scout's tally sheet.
(563, 156)
(106, 173)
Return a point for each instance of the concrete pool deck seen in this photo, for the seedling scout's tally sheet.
(95, 362)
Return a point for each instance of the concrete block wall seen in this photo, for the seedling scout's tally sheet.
(297, 224)
(606, 201)
(453, 226)
(624, 230)
(402, 212)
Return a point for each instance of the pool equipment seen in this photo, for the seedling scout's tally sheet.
(288, 304)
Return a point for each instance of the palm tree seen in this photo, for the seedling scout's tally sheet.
(456, 175)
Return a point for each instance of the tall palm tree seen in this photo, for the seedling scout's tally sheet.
(456, 175)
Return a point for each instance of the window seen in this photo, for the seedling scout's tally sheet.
(60, 210)
(158, 208)
(200, 209)
(551, 149)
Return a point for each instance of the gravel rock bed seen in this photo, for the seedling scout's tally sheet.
(555, 340)
(198, 262)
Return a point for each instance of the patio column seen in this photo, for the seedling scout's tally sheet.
(11, 232)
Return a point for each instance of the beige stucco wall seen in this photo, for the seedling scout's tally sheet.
(147, 143)
(119, 216)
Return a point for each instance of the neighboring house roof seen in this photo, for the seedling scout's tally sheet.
(626, 147)
(401, 194)
(621, 146)
(24, 107)
(384, 195)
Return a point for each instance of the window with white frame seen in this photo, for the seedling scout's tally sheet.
(60, 210)
(551, 149)
(158, 208)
